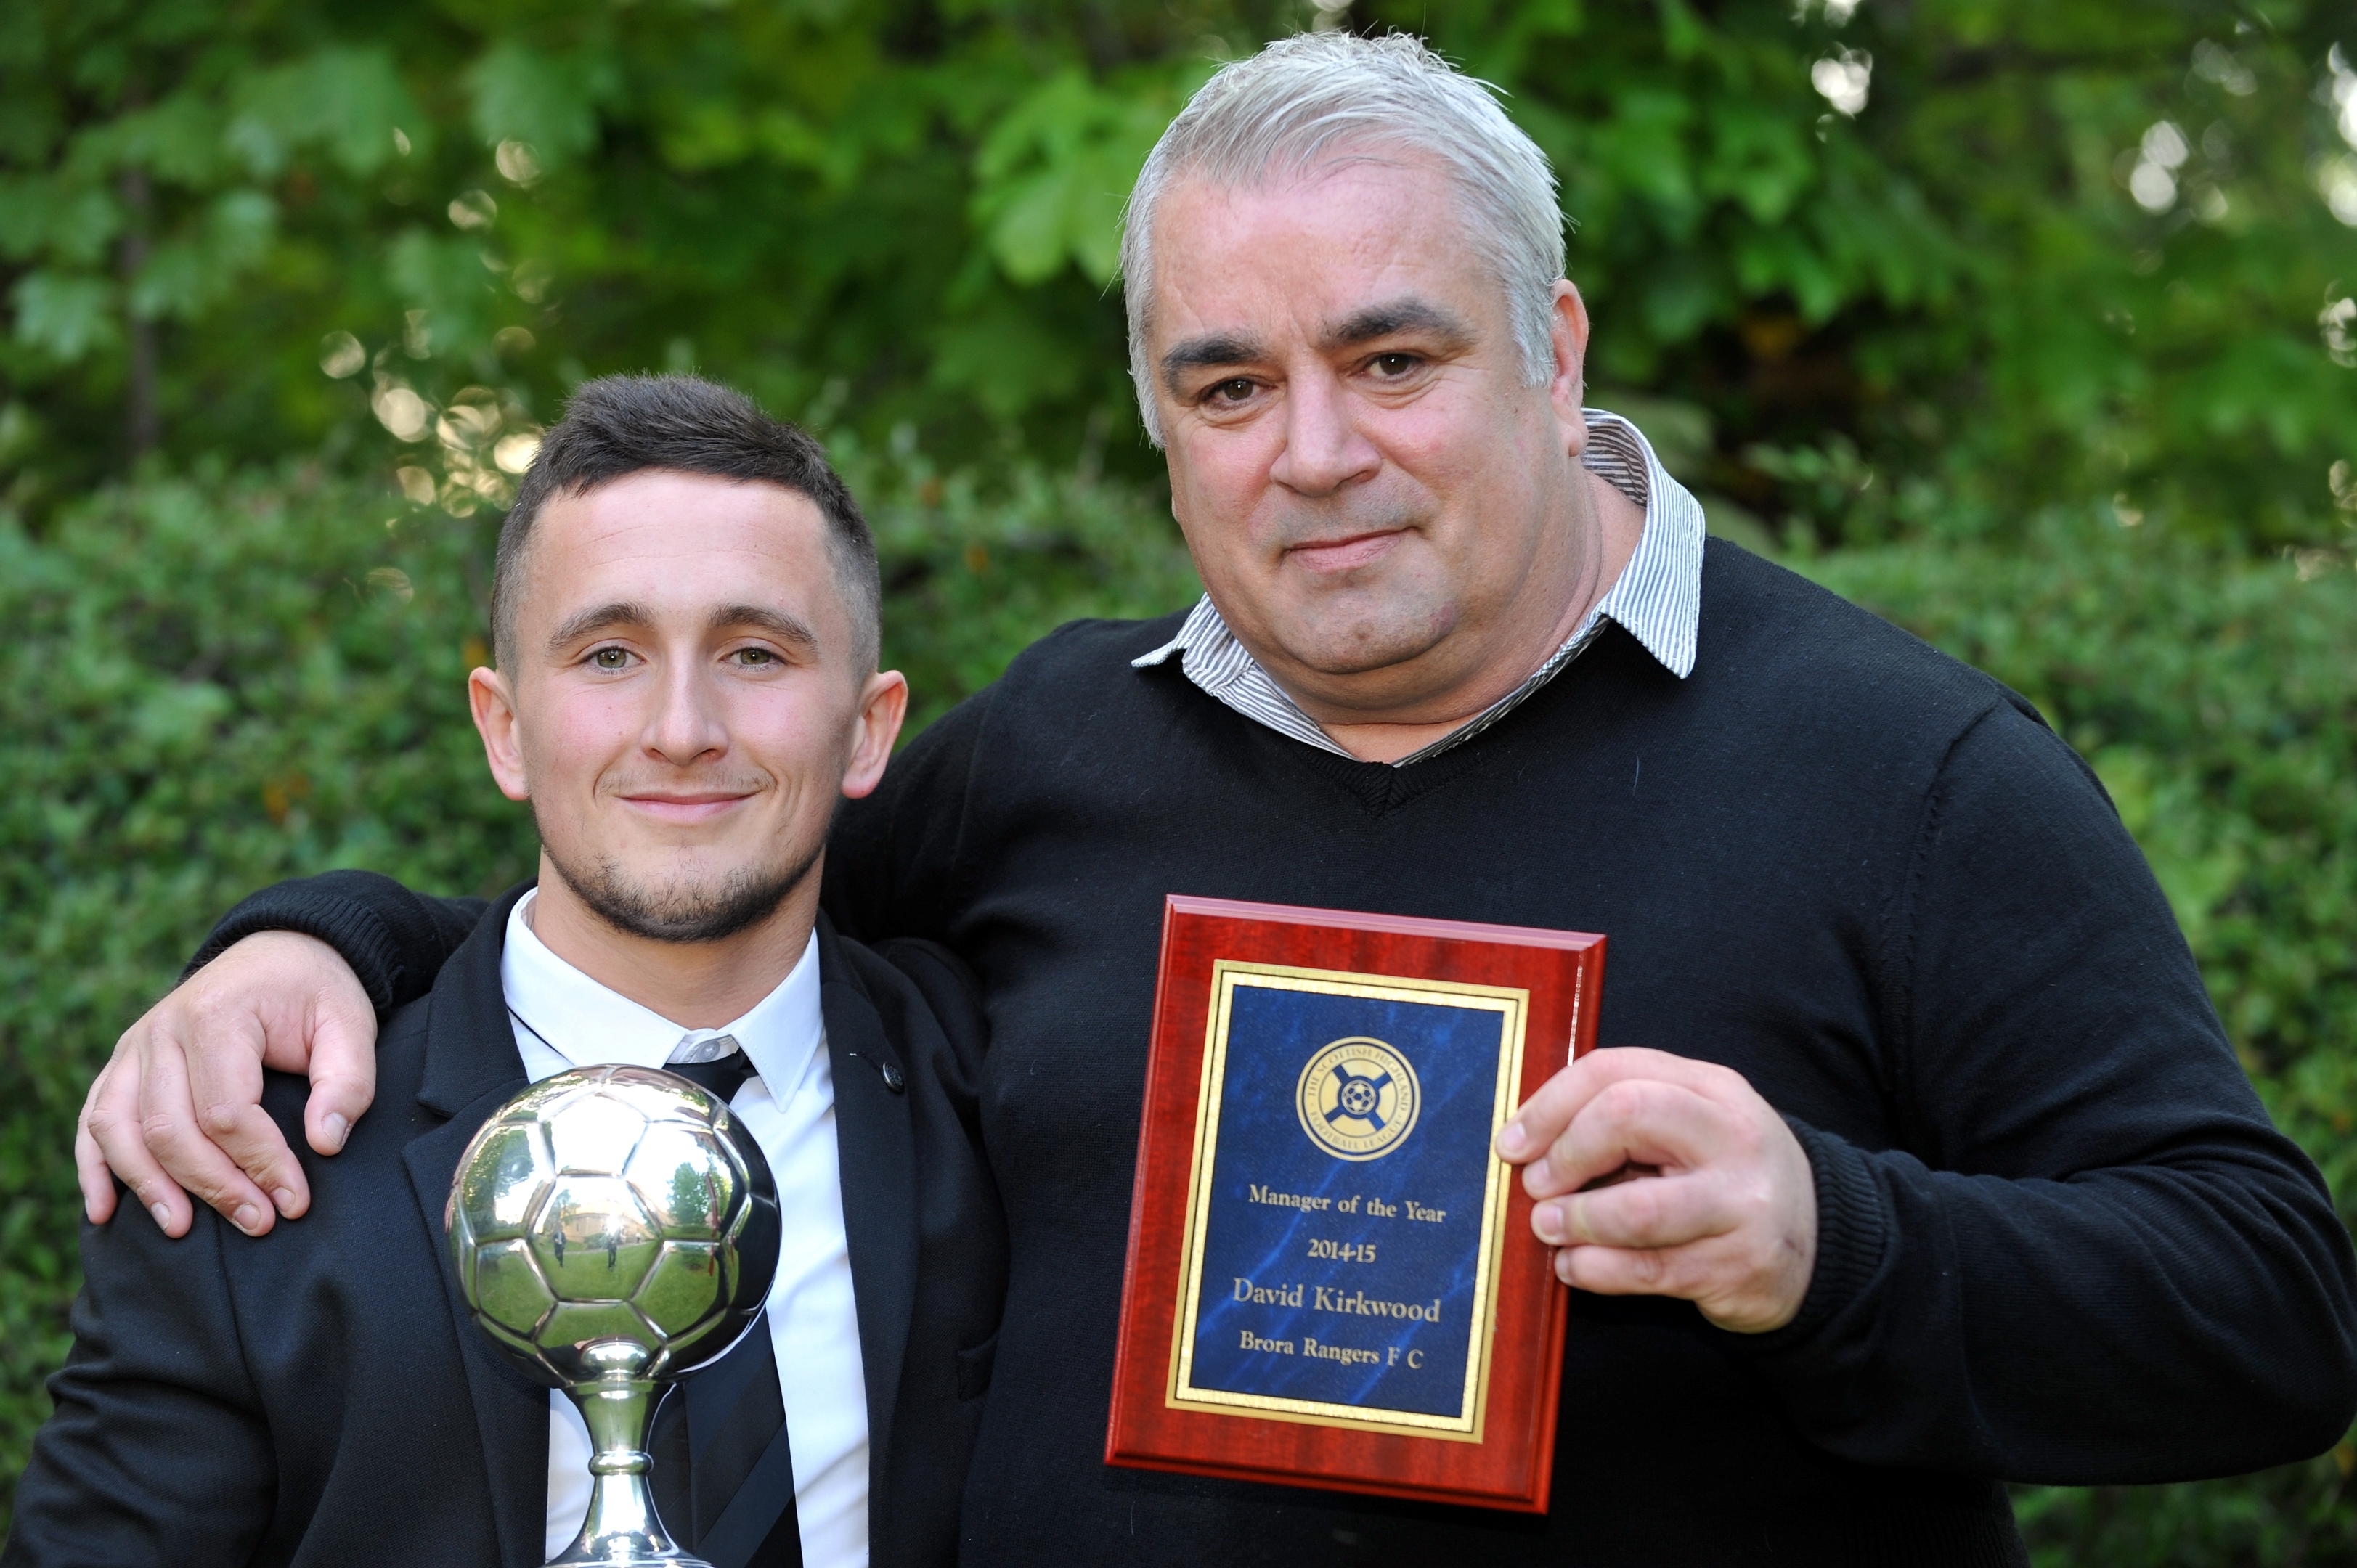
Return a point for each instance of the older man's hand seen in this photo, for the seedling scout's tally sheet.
(178, 1108)
(1658, 1176)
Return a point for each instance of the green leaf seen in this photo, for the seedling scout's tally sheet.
(189, 273)
(998, 355)
(346, 102)
(522, 95)
(69, 316)
(67, 222)
(177, 141)
(446, 279)
(1052, 176)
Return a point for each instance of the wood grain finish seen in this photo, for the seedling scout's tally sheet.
(1511, 1467)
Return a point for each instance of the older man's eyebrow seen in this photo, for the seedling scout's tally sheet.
(1212, 351)
(1394, 317)
(786, 628)
(602, 617)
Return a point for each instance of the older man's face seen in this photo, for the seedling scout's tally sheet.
(1369, 488)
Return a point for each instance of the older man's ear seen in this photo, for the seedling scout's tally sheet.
(1568, 387)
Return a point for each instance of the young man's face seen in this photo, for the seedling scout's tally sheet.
(688, 699)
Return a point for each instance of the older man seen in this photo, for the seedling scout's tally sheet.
(1958, 1179)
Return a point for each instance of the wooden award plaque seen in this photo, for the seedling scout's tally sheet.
(1333, 1281)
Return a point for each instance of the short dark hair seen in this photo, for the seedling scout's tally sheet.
(618, 425)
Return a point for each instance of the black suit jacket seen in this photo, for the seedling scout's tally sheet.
(318, 1397)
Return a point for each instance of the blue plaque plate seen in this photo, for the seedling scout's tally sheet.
(1345, 1213)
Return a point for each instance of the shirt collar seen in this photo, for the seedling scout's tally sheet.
(1657, 600)
(591, 1024)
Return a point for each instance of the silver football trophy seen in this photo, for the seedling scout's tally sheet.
(613, 1227)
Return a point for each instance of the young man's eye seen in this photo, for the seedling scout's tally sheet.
(610, 658)
(755, 658)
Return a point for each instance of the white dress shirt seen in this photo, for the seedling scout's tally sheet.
(789, 1107)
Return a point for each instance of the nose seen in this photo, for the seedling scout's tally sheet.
(1323, 447)
(687, 722)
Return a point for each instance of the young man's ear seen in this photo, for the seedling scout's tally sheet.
(883, 703)
(493, 705)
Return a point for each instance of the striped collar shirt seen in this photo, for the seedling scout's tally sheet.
(1657, 600)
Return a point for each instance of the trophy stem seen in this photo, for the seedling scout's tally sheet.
(622, 1531)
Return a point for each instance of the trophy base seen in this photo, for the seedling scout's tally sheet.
(626, 1556)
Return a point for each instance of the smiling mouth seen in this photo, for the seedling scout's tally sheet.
(686, 809)
(1342, 555)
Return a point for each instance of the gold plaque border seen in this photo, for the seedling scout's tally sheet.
(1513, 1005)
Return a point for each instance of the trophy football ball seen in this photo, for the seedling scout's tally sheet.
(613, 1219)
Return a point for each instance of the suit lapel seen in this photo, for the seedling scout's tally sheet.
(877, 1150)
(471, 1068)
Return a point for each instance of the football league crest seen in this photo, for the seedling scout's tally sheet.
(1358, 1099)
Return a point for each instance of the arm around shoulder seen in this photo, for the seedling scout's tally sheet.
(395, 939)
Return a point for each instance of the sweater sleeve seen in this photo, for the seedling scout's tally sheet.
(159, 1450)
(395, 939)
(2096, 1261)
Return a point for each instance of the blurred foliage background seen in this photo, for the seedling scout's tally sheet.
(2028, 323)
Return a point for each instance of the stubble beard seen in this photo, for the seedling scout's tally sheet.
(685, 911)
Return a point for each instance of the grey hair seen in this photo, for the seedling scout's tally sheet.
(1308, 99)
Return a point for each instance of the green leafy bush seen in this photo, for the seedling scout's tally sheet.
(2217, 697)
(216, 681)
(206, 685)
(2015, 249)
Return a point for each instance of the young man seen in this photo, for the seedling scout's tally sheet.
(684, 611)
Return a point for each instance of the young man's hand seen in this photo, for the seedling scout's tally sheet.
(1659, 1175)
(178, 1109)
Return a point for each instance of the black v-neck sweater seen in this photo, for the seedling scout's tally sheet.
(2059, 1239)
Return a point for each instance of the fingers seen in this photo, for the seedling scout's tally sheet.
(1636, 1121)
(343, 1061)
(179, 1111)
(1726, 1214)
(1547, 1114)
(1615, 1270)
(168, 1111)
(279, 1000)
(245, 1137)
(109, 1144)
(92, 1176)
(91, 1172)
(223, 1058)
(97, 1183)
(1737, 1293)
(1649, 1213)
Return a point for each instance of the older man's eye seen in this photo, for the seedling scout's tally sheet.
(1393, 365)
(1236, 389)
